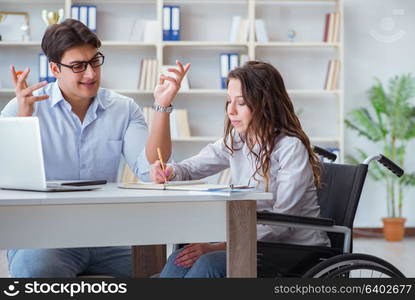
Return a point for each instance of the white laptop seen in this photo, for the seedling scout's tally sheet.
(21, 159)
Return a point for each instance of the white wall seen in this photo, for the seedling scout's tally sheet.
(367, 56)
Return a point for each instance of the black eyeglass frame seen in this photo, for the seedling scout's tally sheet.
(85, 63)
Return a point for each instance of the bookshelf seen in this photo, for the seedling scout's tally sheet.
(205, 26)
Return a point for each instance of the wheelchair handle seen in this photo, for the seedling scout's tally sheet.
(323, 152)
(394, 168)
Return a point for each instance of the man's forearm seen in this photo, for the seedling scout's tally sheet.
(159, 137)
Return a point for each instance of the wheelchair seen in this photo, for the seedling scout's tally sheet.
(338, 198)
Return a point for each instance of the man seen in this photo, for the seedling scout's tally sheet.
(85, 130)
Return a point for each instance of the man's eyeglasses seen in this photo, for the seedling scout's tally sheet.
(81, 66)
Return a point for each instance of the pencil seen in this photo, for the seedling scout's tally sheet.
(161, 163)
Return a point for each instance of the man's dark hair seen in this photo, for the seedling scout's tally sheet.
(70, 33)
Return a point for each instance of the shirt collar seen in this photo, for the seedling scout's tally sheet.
(57, 97)
(102, 99)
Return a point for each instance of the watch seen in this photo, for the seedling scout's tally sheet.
(165, 109)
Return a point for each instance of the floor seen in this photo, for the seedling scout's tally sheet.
(399, 254)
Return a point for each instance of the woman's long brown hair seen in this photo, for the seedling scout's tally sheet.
(273, 114)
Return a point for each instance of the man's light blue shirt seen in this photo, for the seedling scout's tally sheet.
(113, 127)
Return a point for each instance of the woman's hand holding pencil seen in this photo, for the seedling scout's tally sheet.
(158, 175)
(159, 172)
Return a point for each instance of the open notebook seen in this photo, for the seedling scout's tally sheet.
(190, 185)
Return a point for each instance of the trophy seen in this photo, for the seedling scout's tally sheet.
(52, 17)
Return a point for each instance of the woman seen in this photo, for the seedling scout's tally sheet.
(265, 146)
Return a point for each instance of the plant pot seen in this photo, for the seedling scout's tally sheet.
(393, 229)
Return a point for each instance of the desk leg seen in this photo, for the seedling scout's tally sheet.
(241, 239)
(148, 260)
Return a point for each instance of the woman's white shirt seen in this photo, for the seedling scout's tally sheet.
(291, 182)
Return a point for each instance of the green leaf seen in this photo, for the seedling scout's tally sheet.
(408, 179)
(402, 88)
(365, 125)
(378, 98)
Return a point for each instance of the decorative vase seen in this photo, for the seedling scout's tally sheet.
(394, 229)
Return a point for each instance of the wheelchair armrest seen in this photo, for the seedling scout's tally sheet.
(271, 216)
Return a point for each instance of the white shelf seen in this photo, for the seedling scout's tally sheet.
(19, 44)
(190, 44)
(201, 33)
(190, 2)
(198, 139)
(223, 92)
(298, 44)
(6, 91)
(104, 43)
(188, 92)
(127, 44)
(202, 44)
(215, 138)
(324, 139)
(302, 2)
(313, 92)
(34, 1)
(200, 92)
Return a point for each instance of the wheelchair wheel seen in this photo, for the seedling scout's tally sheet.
(354, 266)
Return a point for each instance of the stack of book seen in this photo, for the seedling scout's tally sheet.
(179, 122)
(144, 31)
(332, 28)
(239, 30)
(332, 76)
(171, 23)
(228, 62)
(87, 14)
(261, 31)
(148, 74)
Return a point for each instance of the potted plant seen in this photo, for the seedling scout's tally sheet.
(391, 125)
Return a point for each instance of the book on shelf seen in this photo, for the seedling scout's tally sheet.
(234, 31)
(150, 31)
(179, 122)
(332, 27)
(239, 30)
(261, 31)
(87, 14)
(332, 75)
(45, 74)
(228, 62)
(148, 74)
(144, 31)
(175, 23)
(171, 23)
